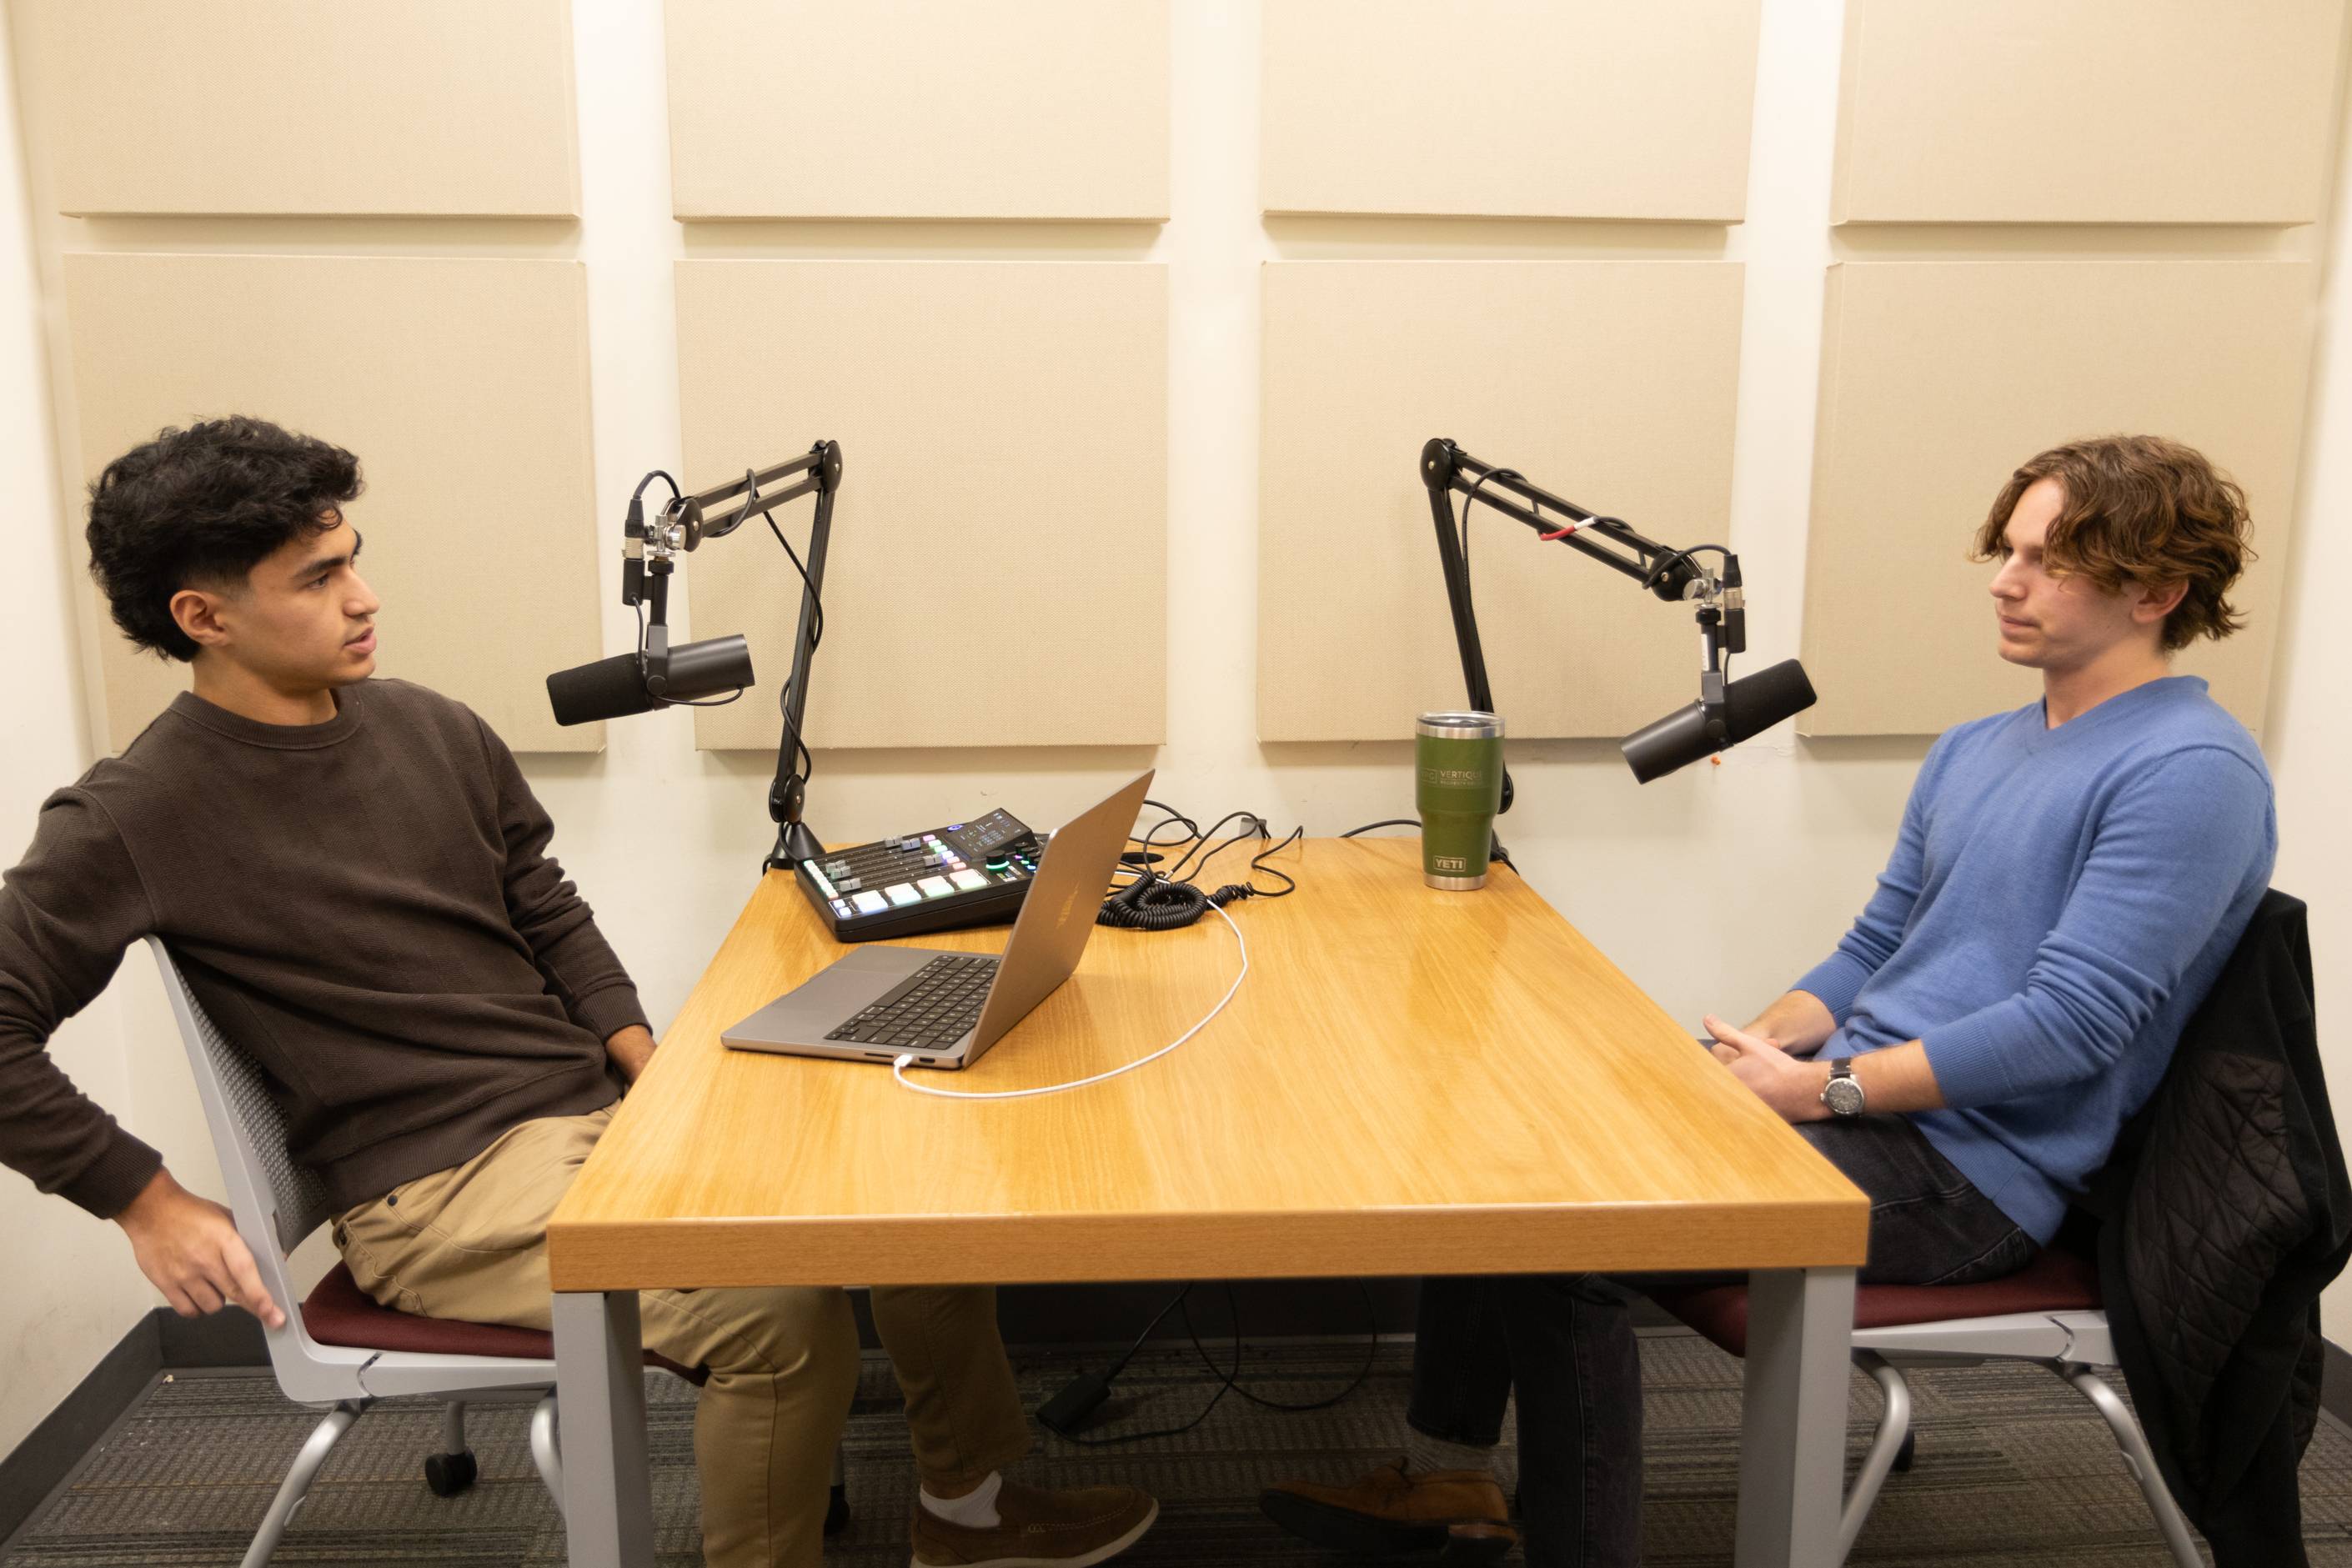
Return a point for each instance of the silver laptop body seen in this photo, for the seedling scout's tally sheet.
(857, 1007)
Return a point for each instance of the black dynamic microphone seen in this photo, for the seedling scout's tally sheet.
(621, 685)
(1752, 704)
(609, 689)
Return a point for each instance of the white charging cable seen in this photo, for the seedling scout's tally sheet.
(907, 1059)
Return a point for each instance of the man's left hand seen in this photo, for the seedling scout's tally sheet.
(1790, 1085)
(630, 1050)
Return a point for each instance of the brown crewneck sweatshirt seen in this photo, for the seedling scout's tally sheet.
(365, 905)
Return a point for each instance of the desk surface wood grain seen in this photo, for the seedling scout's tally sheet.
(1408, 1082)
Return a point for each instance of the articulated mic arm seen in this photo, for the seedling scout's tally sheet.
(1674, 575)
(653, 547)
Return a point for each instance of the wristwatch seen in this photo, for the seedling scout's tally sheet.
(1842, 1094)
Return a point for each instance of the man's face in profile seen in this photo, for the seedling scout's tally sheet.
(305, 617)
(2051, 619)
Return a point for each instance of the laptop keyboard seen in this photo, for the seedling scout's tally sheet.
(936, 1006)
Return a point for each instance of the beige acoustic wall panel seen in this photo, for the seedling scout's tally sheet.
(918, 109)
(463, 388)
(1611, 384)
(451, 107)
(1572, 109)
(999, 551)
(2086, 112)
(1939, 378)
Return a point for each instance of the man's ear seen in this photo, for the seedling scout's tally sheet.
(198, 614)
(2159, 601)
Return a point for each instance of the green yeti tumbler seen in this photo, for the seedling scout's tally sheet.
(1457, 767)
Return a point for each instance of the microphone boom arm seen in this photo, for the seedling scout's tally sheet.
(1669, 573)
(650, 557)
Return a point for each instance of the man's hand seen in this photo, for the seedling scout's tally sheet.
(630, 1050)
(1798, 1023)
(189, 1248)
(1790, 1086)
(1728, 1053)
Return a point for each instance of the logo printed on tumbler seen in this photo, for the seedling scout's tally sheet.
(1451, 863)
(1452, 778)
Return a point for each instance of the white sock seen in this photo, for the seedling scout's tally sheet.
(976, 1510)
(1423, 1453)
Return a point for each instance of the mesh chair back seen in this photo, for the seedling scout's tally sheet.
(249, 1129)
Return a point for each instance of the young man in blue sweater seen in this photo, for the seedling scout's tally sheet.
(2068, 881)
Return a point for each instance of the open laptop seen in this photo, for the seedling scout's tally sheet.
(946, 1009)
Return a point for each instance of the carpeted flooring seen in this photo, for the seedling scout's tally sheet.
(2013, 1470)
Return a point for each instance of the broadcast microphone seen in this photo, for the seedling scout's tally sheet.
(624, 684)
(1753, 705)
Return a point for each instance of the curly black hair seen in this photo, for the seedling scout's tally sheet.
(199, 507)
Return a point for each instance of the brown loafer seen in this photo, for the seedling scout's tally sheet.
(1391, 1512)
(1038, 1528)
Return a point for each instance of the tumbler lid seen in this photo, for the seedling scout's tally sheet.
(1460, 726)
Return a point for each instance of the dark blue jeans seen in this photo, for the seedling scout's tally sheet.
(1566, 1342)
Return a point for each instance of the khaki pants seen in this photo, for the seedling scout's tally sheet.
(470, 1243)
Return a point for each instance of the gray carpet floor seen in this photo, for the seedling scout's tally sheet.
(2013, 1470)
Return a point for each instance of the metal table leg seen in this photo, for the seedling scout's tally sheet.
(1792, 1431)
(608, 1504)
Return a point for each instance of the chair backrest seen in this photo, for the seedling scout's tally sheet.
(277, 1202)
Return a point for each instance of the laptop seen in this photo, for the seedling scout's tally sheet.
(945, 1010)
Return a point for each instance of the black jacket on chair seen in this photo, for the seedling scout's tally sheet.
(2224, 1210)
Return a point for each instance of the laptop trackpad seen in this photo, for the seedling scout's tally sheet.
(829, 997)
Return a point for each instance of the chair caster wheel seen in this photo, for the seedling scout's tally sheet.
(836, 1511)
(1907, 1453)
(449, 1474)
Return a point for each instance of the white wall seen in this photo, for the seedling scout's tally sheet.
(88, 1292)
(1673, 880)
(2309, 742)
(1713, 889)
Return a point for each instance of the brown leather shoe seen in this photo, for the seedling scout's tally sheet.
(1457, 1512)
(1038, 1528)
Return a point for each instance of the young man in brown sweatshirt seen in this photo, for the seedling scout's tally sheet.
(354, 876)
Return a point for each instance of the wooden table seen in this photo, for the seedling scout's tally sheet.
(1409, 1082)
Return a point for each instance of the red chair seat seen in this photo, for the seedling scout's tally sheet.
(338, 1313)
(2054, 1281)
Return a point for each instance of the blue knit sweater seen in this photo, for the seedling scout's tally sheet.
(2058, 903)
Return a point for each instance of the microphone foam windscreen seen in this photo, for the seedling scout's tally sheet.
(1759, 701)
(609, 689)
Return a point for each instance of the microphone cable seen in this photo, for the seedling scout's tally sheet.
(1169, 900)
(636, 517)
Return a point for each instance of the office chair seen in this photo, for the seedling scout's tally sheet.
(340, 1349)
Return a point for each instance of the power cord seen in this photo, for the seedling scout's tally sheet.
(1074, 1406)
(1078, 1400)
(907, 1059)
(1167, 900)
(1501, 855)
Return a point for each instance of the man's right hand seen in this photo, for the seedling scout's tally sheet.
(189, 1248)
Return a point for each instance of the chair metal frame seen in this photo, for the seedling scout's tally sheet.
(277, 1204)
(2067, 1344)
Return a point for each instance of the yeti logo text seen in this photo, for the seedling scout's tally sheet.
(1451, 863)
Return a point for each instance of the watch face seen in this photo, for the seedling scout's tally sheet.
(1844, 1096)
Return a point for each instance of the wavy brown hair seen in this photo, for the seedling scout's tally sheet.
(2139, 509)
(203, 506)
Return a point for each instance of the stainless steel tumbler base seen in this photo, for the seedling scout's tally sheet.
(1456, 883)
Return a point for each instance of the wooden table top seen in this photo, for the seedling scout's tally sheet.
(1408, 1082)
